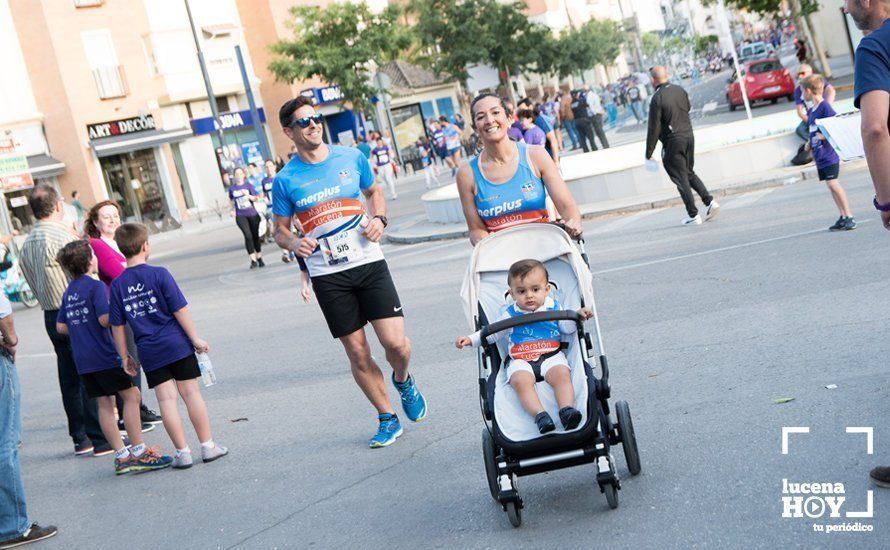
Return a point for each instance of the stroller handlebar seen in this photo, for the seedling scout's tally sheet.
(528, 318)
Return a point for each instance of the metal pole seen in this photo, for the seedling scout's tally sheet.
(210, 97)
(724, 24)
(254, 113)
(392, 129)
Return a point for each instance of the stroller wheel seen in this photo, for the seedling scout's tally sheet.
(514, 513)
(611, 495)
(628, 438)
(489, 455)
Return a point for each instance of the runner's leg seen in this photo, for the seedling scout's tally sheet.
(391, 334)
(367, 374)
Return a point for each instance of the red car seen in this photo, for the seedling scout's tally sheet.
(765, 79)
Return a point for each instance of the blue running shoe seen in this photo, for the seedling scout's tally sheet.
(413, 402)
(387, 432)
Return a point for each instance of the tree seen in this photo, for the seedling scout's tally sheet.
(341, 44)
(453, 35)
(704, 43)
(596, 42)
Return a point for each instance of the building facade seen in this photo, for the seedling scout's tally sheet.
(117, 90)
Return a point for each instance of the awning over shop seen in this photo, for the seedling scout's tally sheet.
(44, 166)
(115, 145)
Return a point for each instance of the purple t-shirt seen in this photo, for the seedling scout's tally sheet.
(146, 297)
(823, 152)
(798, 93)
(85, 300)
(515, 132)
(381, 156)
(535, 136)
(241, 195)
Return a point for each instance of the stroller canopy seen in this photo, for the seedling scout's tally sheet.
(538, 241)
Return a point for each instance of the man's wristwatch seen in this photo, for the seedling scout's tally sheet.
(881, 207)
(382, 219)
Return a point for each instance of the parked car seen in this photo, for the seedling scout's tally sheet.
(755, 51)
(765, 80)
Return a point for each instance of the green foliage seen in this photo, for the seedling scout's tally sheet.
(703, 43)
(769, 7)
(651, 44)
(454, 34)
(341, 44)
(593, 43)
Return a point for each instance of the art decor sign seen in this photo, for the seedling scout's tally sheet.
(122, 127)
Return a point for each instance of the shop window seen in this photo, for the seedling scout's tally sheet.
(102, 59)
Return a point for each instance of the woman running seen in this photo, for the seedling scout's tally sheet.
(243, 195)
(508, 183)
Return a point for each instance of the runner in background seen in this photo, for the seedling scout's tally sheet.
(382, 158)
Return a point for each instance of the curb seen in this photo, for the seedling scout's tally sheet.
(805, 173)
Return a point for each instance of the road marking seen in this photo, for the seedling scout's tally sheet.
(622, 222)
(714, 250)
(747, 199)
(710, 106)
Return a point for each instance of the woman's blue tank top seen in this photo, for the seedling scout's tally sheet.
(522, 199)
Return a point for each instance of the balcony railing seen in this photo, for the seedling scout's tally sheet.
(88, 3)
(111, 82)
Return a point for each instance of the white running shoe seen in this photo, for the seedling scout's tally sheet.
(712, 210)
(211, 454)
(692, 221)
(182, 461)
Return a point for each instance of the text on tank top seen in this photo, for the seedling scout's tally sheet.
(521, 199)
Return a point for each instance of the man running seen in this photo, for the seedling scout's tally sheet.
(322, 185)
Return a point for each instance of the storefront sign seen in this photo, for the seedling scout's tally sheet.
(227, 121)
(121, 127)
(320, 96)
(250, 152)
(14, 182)
(13, 164)
(7, 146)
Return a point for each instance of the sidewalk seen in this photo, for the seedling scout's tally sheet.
(417, 228)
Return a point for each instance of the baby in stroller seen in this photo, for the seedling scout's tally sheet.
(536, 348)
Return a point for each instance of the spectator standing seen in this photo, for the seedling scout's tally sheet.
(581, 112)
(871, 94)
(595, 104)
(634, 101)
(363, 147)
(568, 119)
(14, 527)
(828, 95)
(75, 202)
(48, 281)
(531, 133)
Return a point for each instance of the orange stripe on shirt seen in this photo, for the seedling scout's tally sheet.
(517, 218)
(329, 211)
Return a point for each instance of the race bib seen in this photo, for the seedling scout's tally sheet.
(243, 203)
(382, 159)
(343, 247)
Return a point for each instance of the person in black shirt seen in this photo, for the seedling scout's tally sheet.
(669, 122)
(583, 123)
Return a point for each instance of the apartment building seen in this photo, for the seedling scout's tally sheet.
(109, 94)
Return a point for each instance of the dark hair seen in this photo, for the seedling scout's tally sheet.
(130, 237)
(75, 257)
(443, 118)
(525, 113)
(522, 268)
(482, 96)
(43, 200)
(90, 229)
(74, 194)
(252, 164)
(287, 110)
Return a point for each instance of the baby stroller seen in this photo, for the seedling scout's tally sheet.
(511, 443)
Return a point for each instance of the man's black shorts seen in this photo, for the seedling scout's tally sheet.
(184, 369)
(106, 382)
(351, 298)
(829, 172)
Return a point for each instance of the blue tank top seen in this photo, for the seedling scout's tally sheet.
(522, 199)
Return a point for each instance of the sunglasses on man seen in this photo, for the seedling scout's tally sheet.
(303, 122)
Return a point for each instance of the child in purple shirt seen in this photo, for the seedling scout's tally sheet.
(83, 316)
(827, 161)
(149, 300)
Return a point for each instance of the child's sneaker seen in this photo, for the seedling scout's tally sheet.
(211, 454)
(149, 460)
(123, 466)
(570, 417)
(413, 402)
(387, 432)
(182, 461)
(544, 422)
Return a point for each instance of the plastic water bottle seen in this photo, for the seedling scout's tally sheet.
(207, 374)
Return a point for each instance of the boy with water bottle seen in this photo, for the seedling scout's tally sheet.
(148, 299)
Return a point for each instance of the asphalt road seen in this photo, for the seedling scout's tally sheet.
(706, 327)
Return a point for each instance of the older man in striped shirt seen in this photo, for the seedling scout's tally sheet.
(48, 281)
